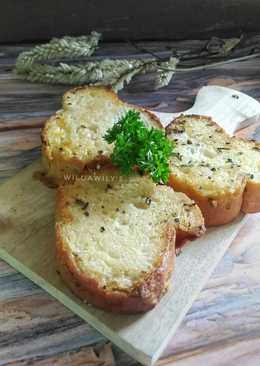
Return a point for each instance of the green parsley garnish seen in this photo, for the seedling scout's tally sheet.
(148, 149)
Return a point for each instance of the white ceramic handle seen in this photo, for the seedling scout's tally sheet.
(229, 108)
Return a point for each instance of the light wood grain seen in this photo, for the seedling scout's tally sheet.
(227, 314)
(25, 104)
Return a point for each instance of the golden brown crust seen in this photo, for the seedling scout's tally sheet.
(69, 169)
(144, 295)
(216, 210)
(182, 236)
(224, 208)
(251, 198)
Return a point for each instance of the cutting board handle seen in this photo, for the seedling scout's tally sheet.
(229, 108)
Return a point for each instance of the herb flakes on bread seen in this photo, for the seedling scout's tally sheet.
(219, 172)
(116, 239)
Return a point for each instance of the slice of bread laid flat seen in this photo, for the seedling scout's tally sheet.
(219, 172)
(116, 239)
(72, 139)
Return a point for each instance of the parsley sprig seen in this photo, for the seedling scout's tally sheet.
(135, 145)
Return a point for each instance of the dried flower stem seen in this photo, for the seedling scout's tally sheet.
(32, 66)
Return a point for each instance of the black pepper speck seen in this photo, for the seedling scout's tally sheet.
(148, 200)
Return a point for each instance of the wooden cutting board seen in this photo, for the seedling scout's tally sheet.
(27, 244)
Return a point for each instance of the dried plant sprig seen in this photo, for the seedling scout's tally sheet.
(32, 66)
(37, 64)
(71, 47)
(218, 47)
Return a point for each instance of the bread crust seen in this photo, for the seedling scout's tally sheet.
(251, 198)
(182, 236)
(144, 295)
(224, 208)
(56, 164)
(216, 210)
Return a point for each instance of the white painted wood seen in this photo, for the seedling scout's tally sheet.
(229, 108)
(27, 243)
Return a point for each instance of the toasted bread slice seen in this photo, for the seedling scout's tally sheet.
(219, 172)
(116, 239)
(72, 139)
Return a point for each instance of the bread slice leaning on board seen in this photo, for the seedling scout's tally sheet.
(116, 238)
(72, 139)
(219, 172)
